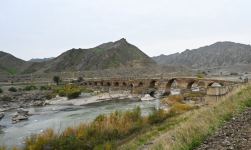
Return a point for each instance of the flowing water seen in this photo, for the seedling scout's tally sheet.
(59, 117)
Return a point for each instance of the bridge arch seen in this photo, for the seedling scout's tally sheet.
(191, 84)
(152, 84)
(108, 83)
(172, 82)
(215, 84)
(131, 85)
(124, 84)
(140, 84)
(95, 83)
(116, 84)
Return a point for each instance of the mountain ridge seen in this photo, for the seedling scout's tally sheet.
(218, 54)
(105, 56)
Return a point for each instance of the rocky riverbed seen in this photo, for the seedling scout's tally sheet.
(234, 135)
(22, 99)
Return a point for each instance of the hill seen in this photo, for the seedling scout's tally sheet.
(119, 54)
(220, 54)
(111, 55)
(9, 64)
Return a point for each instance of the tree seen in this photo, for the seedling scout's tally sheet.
(56, 79)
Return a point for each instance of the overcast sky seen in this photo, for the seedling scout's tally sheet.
(45, 28)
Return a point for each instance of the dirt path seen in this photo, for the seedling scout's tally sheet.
(234, 135)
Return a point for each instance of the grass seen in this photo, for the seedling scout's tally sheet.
(99, 134)
(186, 131)
(204, 122)
(105, 132)
(129, 130)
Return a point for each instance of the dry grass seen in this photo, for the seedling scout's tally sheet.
(203, 122)
(170, 100)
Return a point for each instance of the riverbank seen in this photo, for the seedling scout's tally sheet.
(190, 129)
(89, 98)
(235, 134)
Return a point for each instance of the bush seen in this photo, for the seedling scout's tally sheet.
(30, 88)
(43, 88)
(1, 91)
(157, 116)
(73, 94)
(51, 95)
(70, 91)
(173, 99)
(12, 89)
(179, 108)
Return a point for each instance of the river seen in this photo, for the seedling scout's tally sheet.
(59, 117)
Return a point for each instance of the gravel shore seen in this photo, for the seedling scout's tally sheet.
(234, 135)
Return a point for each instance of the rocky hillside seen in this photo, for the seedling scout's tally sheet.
(215, 55)
(119, 54)
(9, 64)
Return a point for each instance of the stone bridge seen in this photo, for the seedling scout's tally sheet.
(163, 85)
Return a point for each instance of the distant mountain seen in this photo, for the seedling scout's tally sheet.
(9, 64)
(40, 59)
(219, 54)
(106, 56)
(118, 54)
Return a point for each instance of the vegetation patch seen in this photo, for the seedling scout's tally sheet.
(1, 90)
(170, 100)
(12, 89)
(30, 88)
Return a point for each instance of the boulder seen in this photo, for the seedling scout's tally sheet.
(1, 115)
(147, 97)
(20, 116)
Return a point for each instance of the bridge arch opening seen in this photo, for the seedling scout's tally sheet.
(152, 84)
(152, 93)
(131, 85)
(90, 83)
(171, 84)
(215, 84)
(124, 84)
(102, 83)
(108, 84)
(116, 84)
(140, 84)
(95, 83)
(191, 84)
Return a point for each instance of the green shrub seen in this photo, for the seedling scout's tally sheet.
(43, 88)
(157, 116)
(70, 91)
(30, 88)
(51, 95)
(12, 89)
(73, 94)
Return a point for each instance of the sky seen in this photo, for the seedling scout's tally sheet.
(46, 28)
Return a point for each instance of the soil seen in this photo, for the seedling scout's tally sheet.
(234, 135)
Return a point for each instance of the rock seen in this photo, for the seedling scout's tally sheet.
(38, 103)
(147, 97)
(20, 116)
(1, 116)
